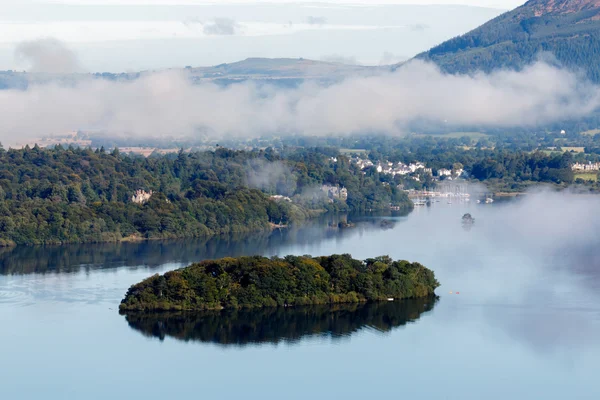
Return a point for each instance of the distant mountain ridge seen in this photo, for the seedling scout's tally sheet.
(278, 71)
(569, 30)
(275, 68)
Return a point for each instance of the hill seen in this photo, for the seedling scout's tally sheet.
(566, 31)
(278, 71)
(279, 68)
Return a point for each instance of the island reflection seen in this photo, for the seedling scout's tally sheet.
(279, 325)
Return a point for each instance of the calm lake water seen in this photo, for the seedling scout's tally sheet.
(526, 324)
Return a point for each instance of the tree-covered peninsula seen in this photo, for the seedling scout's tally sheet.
(76, 195)
(251, 282)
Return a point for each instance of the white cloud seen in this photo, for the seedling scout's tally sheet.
(389, 58)
(105, 31)
(114, 38)
(47, 55)
(167, 104)
(221, 26)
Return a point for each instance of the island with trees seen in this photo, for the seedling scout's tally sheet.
(255, 282)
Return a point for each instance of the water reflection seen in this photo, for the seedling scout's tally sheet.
(75, 258)
(289, 325)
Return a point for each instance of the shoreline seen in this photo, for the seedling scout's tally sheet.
(136, 238)
(360, 301)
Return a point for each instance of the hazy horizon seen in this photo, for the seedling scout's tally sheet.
(149, 35)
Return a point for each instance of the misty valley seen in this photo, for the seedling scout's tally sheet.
(326, 200)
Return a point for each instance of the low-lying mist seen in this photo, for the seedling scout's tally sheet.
(529, 266)
(168, 103)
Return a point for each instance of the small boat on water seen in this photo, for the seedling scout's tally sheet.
(489, 200)
(419, 203)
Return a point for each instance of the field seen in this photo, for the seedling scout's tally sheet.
(456, 135)
(574, 149)
(548, 152)
(353, 151)
(587, 176)
(591, 132)
(562, 150)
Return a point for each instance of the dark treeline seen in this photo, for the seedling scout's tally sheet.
(254, 282)
(54, 196)
(276, 325)
(153, 254)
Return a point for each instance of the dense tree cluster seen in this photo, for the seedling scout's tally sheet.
(520, 37)
(262, 282)
(80, 195)
(51, 196)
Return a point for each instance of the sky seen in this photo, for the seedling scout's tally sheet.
(481, 3)
(131, 35)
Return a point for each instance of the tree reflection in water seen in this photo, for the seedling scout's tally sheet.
(75, 258)
(276, 325)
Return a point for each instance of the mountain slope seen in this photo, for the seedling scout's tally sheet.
(567, 29)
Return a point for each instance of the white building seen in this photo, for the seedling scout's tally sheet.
(335, 192)
(444, 172)
(141, 196)
(279, 197)
(363, 164)
(586, 167)
(416, 166)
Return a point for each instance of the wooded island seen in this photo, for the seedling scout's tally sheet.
(250, 282)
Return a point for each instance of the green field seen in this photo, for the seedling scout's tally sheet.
(548, 152)
(587, 176)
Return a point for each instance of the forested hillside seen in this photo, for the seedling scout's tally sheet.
(83, 195)
(567, 31)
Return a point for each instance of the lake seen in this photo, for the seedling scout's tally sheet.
(518, 315)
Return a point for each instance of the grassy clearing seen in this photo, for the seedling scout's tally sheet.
(575, 149)
(548, 152)
(587, 176)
